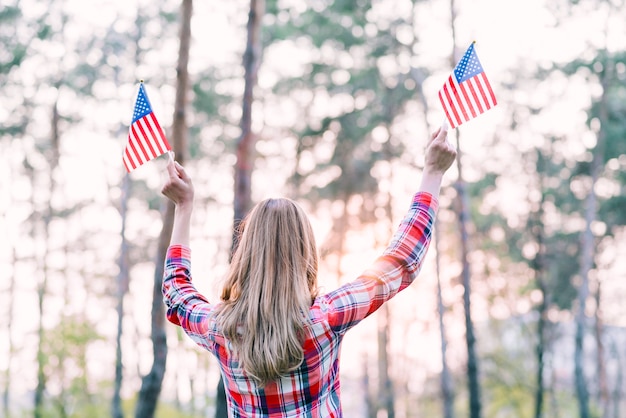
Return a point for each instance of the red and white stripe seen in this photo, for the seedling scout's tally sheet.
(465, 101)
(146, 141)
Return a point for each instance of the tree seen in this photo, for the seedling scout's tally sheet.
(151, 383)
(245, 145)
(447, 390)
(473, 381)
(588, 240)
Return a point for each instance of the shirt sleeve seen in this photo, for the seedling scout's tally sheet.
(392, 272)
(186, 307)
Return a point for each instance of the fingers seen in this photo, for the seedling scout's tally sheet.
(181, 173)
(171, 169)
(176, 171)
(442, 135)
(438, 138)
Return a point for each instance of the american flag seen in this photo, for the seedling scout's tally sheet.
(467, 92)
(146, 139)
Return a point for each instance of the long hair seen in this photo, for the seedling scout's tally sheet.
(269, 289)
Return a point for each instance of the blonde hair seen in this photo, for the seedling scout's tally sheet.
(269, 289)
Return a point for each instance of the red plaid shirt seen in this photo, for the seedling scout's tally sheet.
(311, 391)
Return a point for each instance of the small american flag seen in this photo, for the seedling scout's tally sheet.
(146, 139)
(467, 93)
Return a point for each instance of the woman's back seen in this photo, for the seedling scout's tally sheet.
(312, 390)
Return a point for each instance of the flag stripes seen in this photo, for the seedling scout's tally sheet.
(465, 101)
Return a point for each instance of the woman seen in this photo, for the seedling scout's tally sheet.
(277, 341)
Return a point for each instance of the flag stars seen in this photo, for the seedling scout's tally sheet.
(142, 106)
(469, 66)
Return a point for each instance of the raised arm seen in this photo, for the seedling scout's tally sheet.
(401, 261)
(179, 189)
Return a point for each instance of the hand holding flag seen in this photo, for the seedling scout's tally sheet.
(467, 92)
(146, 139)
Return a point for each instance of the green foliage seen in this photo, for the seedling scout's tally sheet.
(613, 212)
(64, 360)
(9, 14)
(332, 24)
(15, 51)
(340, 25)
(101, 408)
(44, 32)
(610, 110)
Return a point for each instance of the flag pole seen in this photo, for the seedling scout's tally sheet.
(444, 124)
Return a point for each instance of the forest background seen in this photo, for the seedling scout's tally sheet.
(518, 310)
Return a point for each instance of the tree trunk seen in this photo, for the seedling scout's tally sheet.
(247, 139)
(470, 338)
(447, 386)
(242, 200)
(588, 248)
(43, 264)
(385, 385)
(6, 394)
(369, 404)
(603, 387)
(581, 318)
(152, 382)
(447, 390)
(463, 213)
(540, 349)
(617, 388)
(603, 114)
(122, 289)
(539, 267)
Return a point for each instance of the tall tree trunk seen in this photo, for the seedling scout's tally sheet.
(340, 227)
(385, 385)
(617, 388)
(447, 387)
(43, 264)
(447, 390)
(247, 140)
(386, 393)
(242, 200)
(369, 404)
(6, 394)
(473, 381)
(603, 387)
(122, 289)
(539, 267)
(588, 247)
(603, 114)
(152, 382)
(583, 293)
(470, 338)
(540, 349)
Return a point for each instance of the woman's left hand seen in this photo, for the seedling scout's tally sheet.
(178, 187)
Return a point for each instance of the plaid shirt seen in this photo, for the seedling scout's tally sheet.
(312, 391)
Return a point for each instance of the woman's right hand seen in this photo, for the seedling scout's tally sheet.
(178, 186)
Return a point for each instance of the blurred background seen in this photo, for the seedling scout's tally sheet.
(518, 310)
